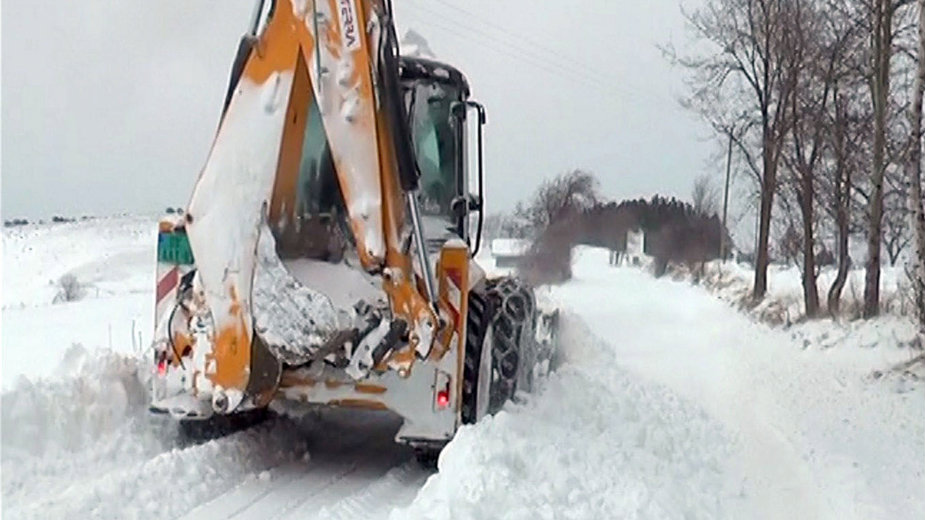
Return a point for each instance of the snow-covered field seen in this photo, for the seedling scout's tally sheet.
(669, 403)
(111, 258)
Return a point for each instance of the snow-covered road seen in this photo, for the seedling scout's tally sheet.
(352, 469)
(667, 404)
(816, 435)
(87, 448)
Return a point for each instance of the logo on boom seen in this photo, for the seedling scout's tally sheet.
(348, 24)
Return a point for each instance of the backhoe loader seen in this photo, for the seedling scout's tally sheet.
(327, 254)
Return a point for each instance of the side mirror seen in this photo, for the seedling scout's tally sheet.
(475, 202)
(458, 110)
(461, 205)
(458, 206)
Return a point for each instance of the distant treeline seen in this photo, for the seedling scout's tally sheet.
(674, 230)
(567, 210)
(57, 219)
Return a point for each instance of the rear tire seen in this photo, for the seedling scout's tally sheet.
(500, 345)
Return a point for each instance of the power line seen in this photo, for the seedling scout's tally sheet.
(523, 58)
(527, 53)
(519, 59)
(553, 66)
(507, 32)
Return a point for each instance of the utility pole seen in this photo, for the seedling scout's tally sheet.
(722, 233)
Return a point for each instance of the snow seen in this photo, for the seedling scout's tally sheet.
(293, 319)
(355, 471)
(111, 257)
(345, 285)
(103, 253)
(784, 302)
(685, 408)
(593, 443)
(509, 246)
(666, 402)
(414, 45)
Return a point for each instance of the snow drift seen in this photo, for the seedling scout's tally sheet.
(594, 442)
(91, 397)
(83, 445)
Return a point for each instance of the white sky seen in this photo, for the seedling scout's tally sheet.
(110, 107)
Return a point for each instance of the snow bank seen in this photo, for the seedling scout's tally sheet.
(593, 443)
(886, 332)
(91, 396)
(88, 417)
(783, 305)
(83, 445)
(170, 483)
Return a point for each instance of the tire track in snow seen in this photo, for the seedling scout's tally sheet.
(111, 459)
(353, 456)
(695, 346)
(397, 487)
(167, 484)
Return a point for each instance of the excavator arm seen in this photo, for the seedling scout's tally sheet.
(325, 258)
(335, 60)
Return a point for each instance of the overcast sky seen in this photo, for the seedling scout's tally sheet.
(110, 107)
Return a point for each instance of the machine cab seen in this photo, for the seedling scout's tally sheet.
(437, 101)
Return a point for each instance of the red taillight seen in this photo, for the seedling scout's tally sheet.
(442, 386)
(443, 398)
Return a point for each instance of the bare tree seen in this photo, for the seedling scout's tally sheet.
(746, 82)
(914, 172)
(820, 150)
(849, 117)
(705, 196)
(809, 95)
(69, 289)
(841, 199)
(882, 35)
(555, 199)
(517, 224)
(817, 50)
(554, 214)
(896, 235)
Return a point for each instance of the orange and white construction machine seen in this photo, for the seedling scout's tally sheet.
(327, 254)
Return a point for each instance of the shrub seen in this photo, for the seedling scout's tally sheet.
(69, 289)
(15, 222)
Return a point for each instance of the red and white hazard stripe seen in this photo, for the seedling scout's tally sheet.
(168, 280)
(167, 283)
